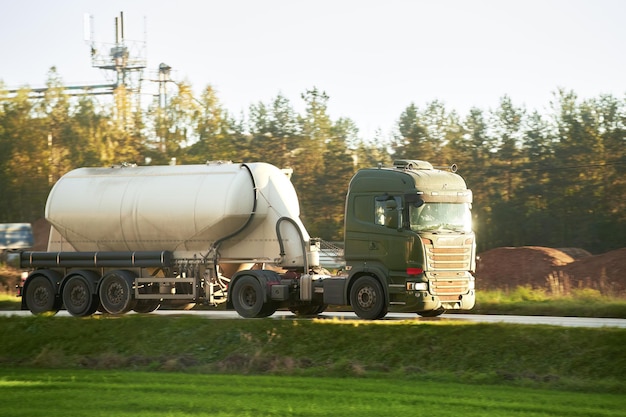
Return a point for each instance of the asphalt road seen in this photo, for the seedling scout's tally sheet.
(450, 317)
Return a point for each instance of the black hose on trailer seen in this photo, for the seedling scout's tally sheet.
(280, 241)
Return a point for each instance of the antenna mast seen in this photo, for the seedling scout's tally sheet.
(123, 62)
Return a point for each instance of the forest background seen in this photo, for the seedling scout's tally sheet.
(554, 178)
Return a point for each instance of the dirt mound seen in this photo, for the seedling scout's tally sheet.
(605, 273)
(558, 271)
(576, 253)
(509, 267)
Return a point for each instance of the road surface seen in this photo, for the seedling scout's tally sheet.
(450, 317)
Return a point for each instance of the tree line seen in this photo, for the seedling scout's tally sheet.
(554, 178)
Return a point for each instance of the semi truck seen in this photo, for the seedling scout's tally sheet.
(134, 238)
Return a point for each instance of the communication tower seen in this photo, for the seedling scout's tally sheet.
(123, 63)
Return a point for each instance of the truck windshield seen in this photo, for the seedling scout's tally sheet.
(441, 216)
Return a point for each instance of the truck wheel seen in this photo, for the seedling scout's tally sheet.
(368, 299)
(77, 297)
(41, 296)
(248, 298)
(116, 292)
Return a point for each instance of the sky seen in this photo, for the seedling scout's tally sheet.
(372, 58)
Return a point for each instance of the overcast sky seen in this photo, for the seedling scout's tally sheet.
(373, 58)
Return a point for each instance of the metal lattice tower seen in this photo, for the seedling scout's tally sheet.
(123, 63)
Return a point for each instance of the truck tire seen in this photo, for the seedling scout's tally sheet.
(78, 297)
(116, 292)
(368, 299)
(248, 298)
(41, 296)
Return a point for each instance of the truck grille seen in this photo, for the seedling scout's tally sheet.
(449, 288)
(448, 258)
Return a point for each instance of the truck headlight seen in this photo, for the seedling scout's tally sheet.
(417, 286)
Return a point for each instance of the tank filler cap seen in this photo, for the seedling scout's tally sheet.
(412, 164)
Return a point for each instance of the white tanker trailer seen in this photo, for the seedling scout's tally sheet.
(133, 238)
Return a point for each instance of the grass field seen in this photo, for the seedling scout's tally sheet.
(190, 366)
(68, 393)
(573, 358)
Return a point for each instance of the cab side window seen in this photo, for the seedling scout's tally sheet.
(386, 211)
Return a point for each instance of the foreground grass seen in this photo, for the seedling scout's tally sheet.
(27, 393)
(522, 355)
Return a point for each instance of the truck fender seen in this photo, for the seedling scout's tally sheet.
(91, 277)
(266, 277)
(53, 276)
(372, 271)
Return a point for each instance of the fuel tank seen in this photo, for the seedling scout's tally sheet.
(183, 208)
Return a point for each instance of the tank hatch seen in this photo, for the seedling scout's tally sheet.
(412, 164)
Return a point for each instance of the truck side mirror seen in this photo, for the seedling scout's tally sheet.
(414, 200)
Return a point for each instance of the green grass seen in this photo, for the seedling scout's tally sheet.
(76, 393)
(9, 301)
(184, 366)
(524, 355)
(537, 302)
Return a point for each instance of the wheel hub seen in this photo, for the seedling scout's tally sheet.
(78, 296)
(40, 297)
(115, 293)
(366, 297)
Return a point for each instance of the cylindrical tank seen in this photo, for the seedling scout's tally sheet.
(184, 208)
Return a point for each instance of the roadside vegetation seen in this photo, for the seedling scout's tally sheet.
(183, 365)
(412, 350)
(527, 301)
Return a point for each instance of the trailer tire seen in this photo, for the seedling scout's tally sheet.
(78, 297)
(367, 298)
(116, 292)
(248, 298)
(41, 296)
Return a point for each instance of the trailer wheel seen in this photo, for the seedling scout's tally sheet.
(368, 299)
(116, 292)
(248, 298)
(41, 296)
(78, 298)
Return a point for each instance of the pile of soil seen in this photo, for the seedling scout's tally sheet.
(510, 267)
(605, 273)
(557, 271)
